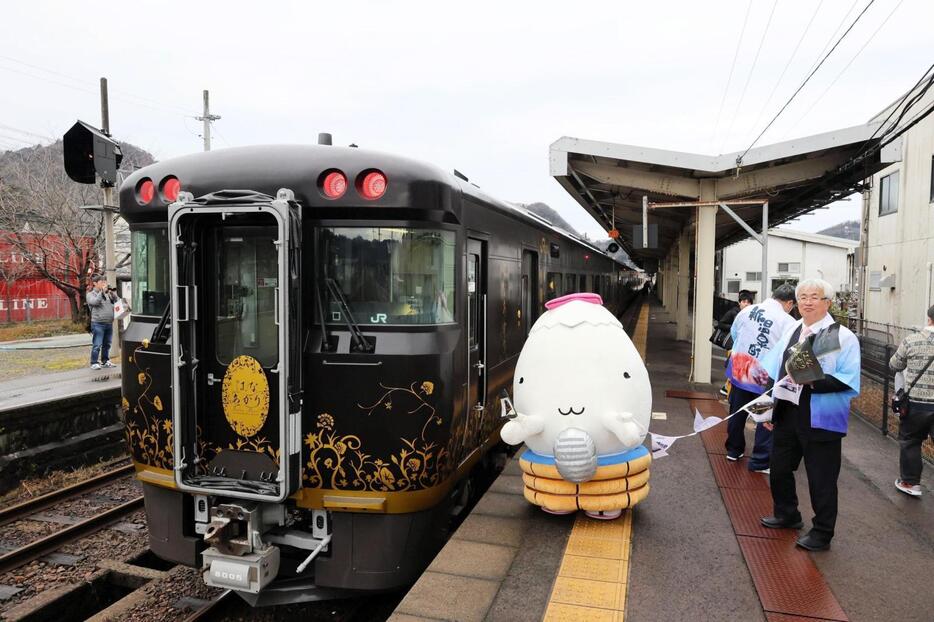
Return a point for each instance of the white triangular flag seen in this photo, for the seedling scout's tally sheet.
(661, 444)
(701, 424)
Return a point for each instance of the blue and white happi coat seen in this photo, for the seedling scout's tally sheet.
(755, 331)
(829, 411)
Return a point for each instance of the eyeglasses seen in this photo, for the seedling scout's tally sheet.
(813, 298)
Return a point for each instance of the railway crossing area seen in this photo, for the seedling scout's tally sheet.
(693, 550)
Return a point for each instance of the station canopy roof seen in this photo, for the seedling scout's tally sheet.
(795, 177)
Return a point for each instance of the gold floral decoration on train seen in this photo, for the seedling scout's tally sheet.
(148, 432)
(339, 461)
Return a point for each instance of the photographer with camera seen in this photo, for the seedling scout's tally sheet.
(916, 405)
(101, 301)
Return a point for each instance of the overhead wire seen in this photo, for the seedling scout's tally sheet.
(729, 79)
(845, 68)
(81, 85)
(25, 132)
(768, 100)
(833, 35)
(739, 159)
(752, 70)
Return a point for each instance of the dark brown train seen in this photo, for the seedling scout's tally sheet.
(298, 459)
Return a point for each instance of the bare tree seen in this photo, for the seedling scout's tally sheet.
(40, 213)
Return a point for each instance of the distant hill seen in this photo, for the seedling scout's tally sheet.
(550, 214)
(848, 230)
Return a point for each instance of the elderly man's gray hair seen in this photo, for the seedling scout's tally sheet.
(818, 284)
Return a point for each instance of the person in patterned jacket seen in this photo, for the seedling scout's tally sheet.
(915, 352)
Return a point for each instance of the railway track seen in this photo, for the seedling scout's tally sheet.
(48, 544)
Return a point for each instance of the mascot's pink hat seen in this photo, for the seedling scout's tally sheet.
(583, 296)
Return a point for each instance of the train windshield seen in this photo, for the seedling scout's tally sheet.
(389, 275)
(150, 271)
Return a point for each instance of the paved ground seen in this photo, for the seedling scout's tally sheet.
(25, 390)
(686, 563)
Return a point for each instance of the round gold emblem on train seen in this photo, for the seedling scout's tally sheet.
(245, 395)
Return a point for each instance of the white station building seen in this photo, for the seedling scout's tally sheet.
(793, 257)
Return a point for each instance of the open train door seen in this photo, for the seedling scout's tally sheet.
(236, 317)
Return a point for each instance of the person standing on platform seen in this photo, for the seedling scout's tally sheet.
(101, 301)
(755, 330)
(810, 420)
(725, 323)
(915, 355)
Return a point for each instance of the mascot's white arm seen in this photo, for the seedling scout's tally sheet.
(624, 427)
(522, 427)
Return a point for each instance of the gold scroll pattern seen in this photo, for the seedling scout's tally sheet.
(340, 461)
(148, 430)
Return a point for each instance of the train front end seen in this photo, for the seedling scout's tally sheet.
(290, 370)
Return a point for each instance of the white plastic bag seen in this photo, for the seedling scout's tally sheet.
(121, 309)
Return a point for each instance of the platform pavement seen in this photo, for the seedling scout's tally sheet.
(685, 561)
(55, 386)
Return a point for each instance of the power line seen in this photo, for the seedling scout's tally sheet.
(768, 100)
(739, 159)
(25, 132)
(833, 35)
(142, 101)
(752, 70)
(14, 138)
(729, 80)
(847, 66)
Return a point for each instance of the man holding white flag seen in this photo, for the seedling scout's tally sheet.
(756, 329)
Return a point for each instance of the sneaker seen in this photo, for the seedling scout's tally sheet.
(95, 366)
(733, 458)
(724, 392)
(765, 471)
(108, 364)
(908, 489)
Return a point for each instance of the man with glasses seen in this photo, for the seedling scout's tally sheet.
(810, 418)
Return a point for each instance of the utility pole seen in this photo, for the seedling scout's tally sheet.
(206, 119)
(110, 263)
(107, 212)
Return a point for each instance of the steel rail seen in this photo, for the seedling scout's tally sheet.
(44, 546)
(23, 509)
(202, 612)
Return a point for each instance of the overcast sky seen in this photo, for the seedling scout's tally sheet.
(481, 86)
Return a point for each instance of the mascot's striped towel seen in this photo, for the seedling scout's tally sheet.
(619, 482)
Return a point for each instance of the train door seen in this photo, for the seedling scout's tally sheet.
(236, 417)
(476, 328)
(530, 302)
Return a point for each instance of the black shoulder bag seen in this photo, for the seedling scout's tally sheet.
(900, 401)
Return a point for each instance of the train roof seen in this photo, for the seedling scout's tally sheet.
(301, 167)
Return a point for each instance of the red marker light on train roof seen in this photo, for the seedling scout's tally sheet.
(333, 184)
(371, 185)
(145, 191)
(170, 189)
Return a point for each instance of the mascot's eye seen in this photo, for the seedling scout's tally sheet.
(521, 380)
(626, 375)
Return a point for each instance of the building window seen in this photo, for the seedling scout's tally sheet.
(874, 280)
(793, 267)
(732, 287)
(753, 276)
(888, 194)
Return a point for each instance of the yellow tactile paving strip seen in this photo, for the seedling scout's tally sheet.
(594, 573)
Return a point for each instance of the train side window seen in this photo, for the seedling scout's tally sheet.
(473, 295)
(553, 285)
(150, 271)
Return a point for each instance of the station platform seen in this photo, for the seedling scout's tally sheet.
(30, 391)
(693, 549)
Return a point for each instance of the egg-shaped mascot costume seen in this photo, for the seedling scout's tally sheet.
(582, 402)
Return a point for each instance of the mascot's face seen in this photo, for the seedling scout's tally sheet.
(577, 365)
